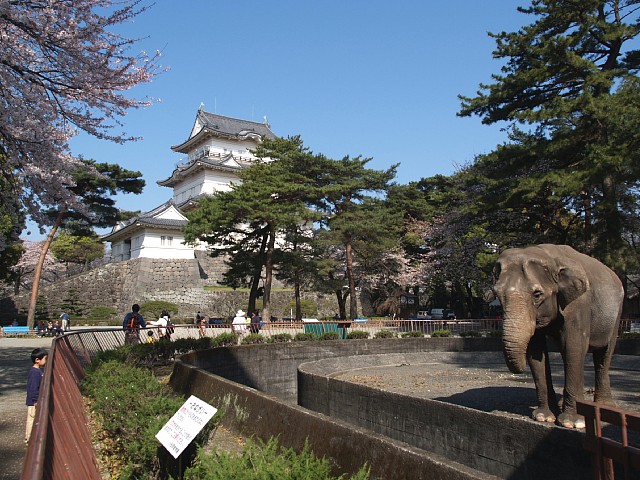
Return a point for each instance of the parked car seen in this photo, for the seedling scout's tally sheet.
(423, 315)
(442, 314)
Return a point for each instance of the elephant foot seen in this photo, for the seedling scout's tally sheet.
(608, 401)
(571, 420)
(543, 414)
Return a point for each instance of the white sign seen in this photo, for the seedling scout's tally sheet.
(185, 424)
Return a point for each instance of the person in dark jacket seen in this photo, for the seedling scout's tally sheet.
(256, 322)
(34, 380)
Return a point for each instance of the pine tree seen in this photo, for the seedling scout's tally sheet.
(570, 77)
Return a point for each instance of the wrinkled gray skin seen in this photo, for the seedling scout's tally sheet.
(552, 290)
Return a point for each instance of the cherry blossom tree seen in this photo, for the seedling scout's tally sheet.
(63, 70)
(24, 270)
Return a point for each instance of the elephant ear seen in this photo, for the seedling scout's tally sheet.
(572, 281)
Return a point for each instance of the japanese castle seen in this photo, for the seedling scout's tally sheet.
(217, 148)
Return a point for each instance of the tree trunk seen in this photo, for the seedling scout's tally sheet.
(38, 273)
(588, 236)
(268, 274)
(296, 289)
(255, 283)
(613, 223)
(353, 304)
(16, 284)
(342, 308)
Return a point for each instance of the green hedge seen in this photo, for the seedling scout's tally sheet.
(260, 460)
(133, 406)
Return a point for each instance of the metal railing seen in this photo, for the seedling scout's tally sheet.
(60, 446)
(605, 449)
(343, 327)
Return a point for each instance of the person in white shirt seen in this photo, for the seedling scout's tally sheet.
(239, 324)
(162, 322)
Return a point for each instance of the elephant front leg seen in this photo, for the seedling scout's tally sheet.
(573, 387)
(538, 359)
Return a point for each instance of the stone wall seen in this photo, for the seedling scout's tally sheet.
(141, 280)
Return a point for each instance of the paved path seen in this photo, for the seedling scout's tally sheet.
(15, 363)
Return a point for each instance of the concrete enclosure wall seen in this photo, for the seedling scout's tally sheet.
(273, 368)
(346, 446)
(508, 447)
(489, 444)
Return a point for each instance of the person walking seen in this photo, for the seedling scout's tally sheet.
(34, 380)
(239, 324)
(64, 316)
(131, 325)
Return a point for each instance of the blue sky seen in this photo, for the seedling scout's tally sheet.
(378, 79)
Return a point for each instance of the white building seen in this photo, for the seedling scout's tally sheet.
(217, 148)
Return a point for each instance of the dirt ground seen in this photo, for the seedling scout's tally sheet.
(481, 380)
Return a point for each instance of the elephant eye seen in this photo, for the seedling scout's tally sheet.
(537, 295)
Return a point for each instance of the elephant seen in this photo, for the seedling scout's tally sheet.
(554, 291)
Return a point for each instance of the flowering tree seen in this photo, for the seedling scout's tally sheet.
(63, 70)
(24, 270)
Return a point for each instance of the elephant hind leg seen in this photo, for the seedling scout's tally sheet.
(601, 364)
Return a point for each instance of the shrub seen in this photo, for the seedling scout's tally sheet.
(357, 334)
(309, 308)
(142, 354)
(329, 336)
(631, 335)
(133, 406)
(413, 333)
(265, 460)
(154, 308)
(471, 333)
(280, 338)
(304, 337)
(253, 339)
(494, 333)
(102, 313)
(441, 333)
(184, 345)
(385, 334)
(225, 339)
(204, 343)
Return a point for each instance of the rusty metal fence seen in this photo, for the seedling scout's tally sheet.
(61, 444)
(614, 447)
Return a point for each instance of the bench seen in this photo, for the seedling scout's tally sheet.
(16, 330)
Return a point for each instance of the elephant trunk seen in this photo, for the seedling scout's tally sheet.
(517, 332)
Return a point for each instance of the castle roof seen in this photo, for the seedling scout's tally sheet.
(210, 124)
(206, 126)
(165, 217)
